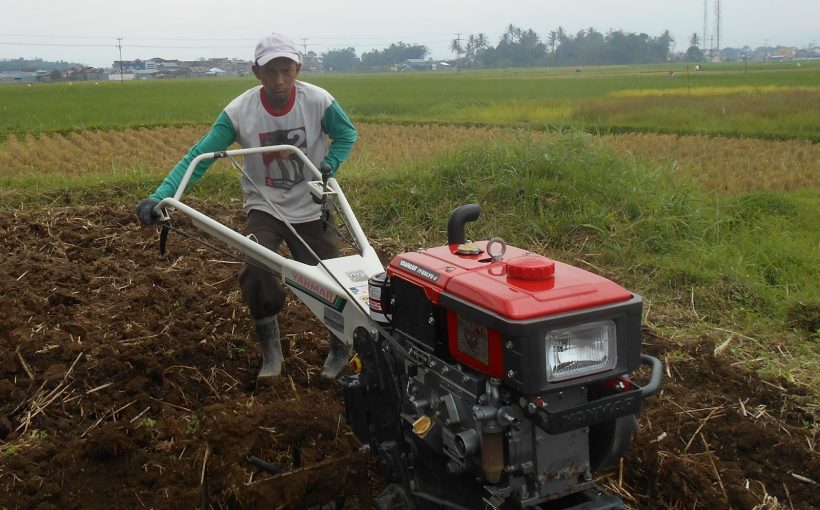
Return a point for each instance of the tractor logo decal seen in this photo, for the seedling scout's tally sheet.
(421, 271)
(317, 292)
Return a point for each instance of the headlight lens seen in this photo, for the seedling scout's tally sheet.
(581, 350)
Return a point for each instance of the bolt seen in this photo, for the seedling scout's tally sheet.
(510, 373)
(532, 408)
(509, 344)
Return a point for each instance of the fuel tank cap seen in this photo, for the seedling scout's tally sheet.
(531, 267)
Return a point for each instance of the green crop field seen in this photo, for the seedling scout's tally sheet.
(779, 101)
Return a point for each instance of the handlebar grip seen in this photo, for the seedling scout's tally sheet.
(655, 380)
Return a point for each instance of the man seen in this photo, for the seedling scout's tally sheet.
(282, 110)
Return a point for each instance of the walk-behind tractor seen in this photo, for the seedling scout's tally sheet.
(485, 376)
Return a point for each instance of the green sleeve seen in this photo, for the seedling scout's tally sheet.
(342, 135)
(219, 138)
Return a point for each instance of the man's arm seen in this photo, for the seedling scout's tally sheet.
(219, 138)
(342, 135)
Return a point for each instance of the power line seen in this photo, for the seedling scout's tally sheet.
(57, 45)
(52, 36)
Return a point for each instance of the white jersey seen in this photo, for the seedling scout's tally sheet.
(281, 177)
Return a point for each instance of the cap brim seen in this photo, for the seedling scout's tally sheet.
(264, 59)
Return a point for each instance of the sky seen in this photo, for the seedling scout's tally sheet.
(93, 32)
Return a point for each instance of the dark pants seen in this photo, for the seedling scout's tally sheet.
(263, 290)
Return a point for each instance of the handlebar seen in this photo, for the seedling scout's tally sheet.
(242, 152)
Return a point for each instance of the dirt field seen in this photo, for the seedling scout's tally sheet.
(127, 381)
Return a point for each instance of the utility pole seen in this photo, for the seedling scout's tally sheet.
(119, 46)
(458, 50)
(304, 52)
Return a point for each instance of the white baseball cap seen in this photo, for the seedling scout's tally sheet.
(273, 46)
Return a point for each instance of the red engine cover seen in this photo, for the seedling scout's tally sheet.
(518, 287)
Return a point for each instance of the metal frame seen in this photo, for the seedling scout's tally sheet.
(335, 290)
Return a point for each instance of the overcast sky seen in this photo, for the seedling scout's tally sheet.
(86, 31)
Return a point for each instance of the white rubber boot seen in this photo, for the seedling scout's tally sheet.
(336, 359)
(267, 334)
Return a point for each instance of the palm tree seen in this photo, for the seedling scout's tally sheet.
(455, 47)
(552, 40)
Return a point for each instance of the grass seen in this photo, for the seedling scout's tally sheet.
(706, 264)
(719, 100)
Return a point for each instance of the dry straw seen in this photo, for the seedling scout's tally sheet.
(725, 165)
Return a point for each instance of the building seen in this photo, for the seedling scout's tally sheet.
(39, 76)
(416, 64)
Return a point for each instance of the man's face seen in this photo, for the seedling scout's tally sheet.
(278, 77)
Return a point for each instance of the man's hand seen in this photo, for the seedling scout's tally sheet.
(146, 213)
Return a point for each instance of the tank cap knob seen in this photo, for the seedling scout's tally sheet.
(531, 268)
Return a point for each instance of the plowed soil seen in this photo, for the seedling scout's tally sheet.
(127, 381)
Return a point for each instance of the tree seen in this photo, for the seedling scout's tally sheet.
(395, 54)
(343, 59)
(693, 54)
(520, 48)
(476, 47)
(455, 47)
(552, 41)
(660, 47)
(311, 61)
(694, 40)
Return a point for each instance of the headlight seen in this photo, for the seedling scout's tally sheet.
(580, 350)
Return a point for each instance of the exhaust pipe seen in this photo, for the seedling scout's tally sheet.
(459, 217)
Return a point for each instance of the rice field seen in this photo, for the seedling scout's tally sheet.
(714, 164)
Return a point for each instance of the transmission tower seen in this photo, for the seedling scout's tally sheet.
(717, 28)
(705, 23)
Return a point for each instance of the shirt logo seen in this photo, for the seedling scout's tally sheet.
(283, 170)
